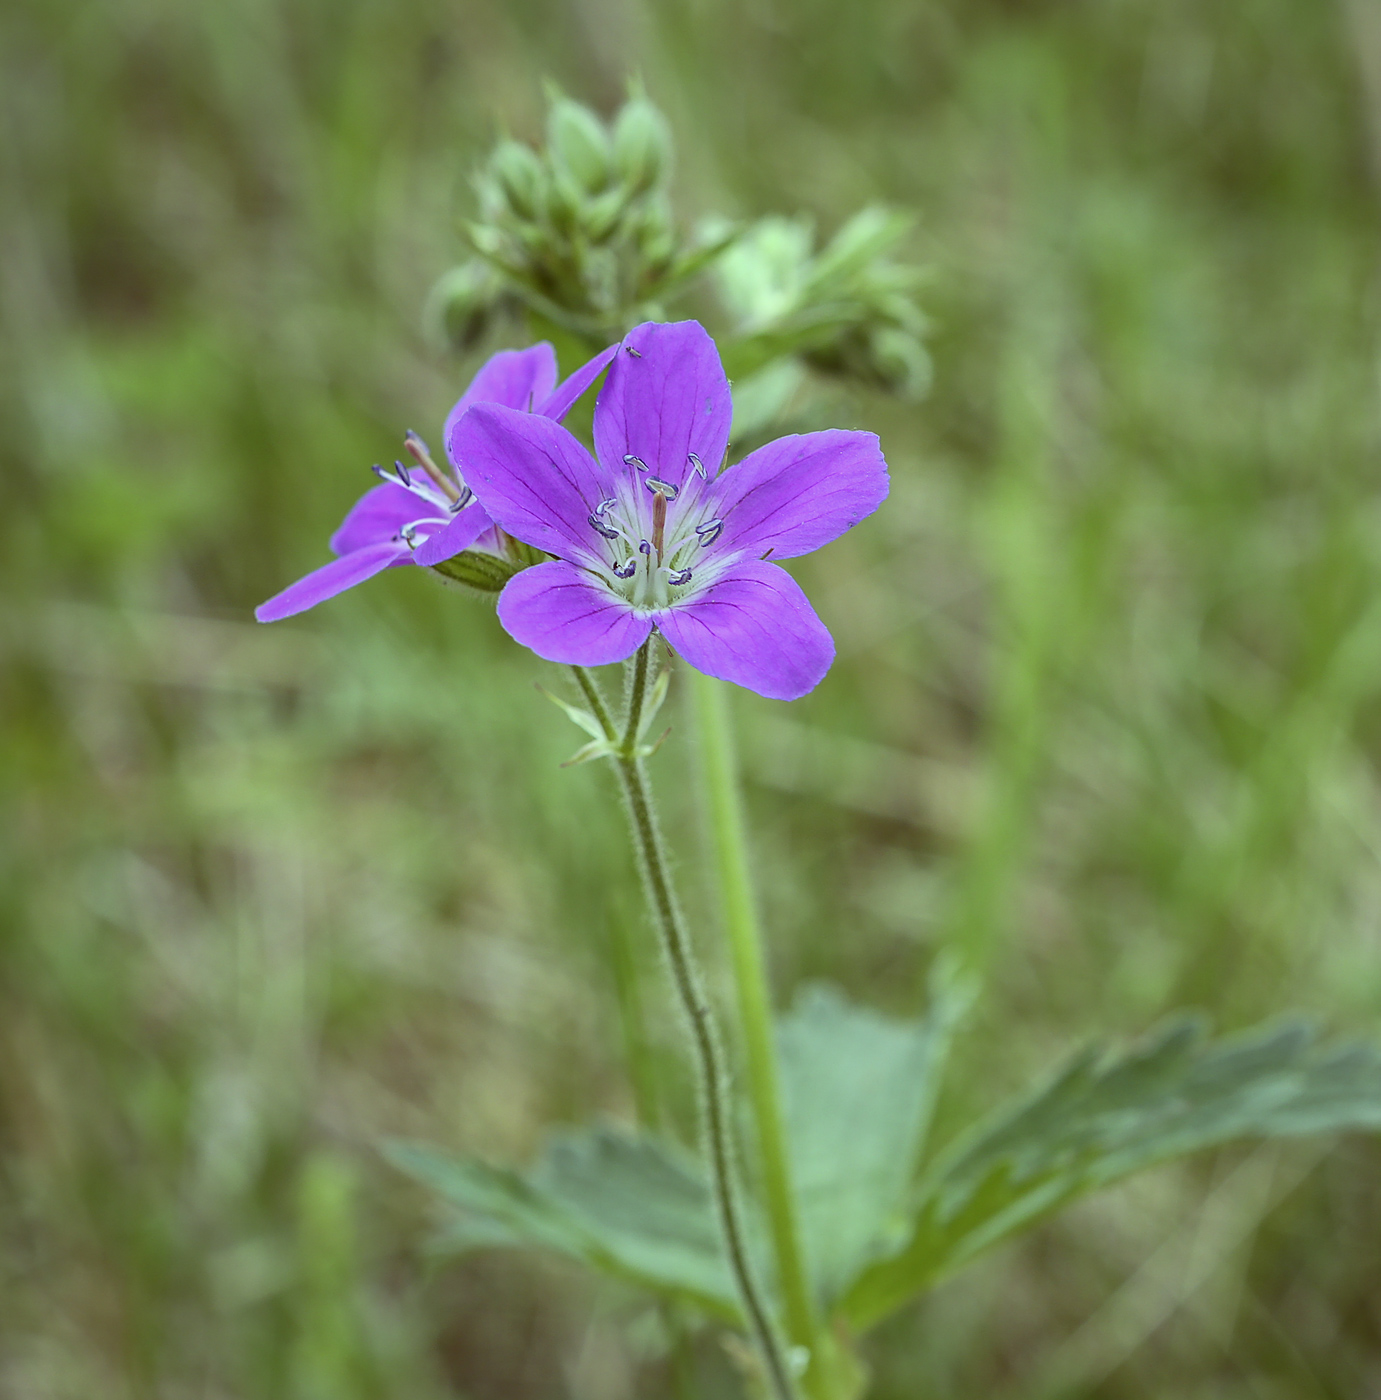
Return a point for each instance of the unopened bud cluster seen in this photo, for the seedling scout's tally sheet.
(850, 308)
(580, 231)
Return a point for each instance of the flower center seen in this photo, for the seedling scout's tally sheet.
(654, 538)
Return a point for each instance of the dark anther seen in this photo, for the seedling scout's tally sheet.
(661, 488)
(679, 577)
(626, 570)
(409, 533)
(605, 506)
(461, 501)
(629, 460)
(603, 529)
(644, 546)
(697, 464)
(402, 471)
(709, 532)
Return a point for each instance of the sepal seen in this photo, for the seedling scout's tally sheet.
(482, 573)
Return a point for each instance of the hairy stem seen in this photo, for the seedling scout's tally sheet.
(704, 1035)
(719, 766)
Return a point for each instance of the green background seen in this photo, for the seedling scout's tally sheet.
(1105, 711)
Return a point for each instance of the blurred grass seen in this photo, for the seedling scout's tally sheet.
(1105, 712)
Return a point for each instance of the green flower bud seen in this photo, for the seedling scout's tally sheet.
(642, 145)
(579, 143)
(901, 361)
(519, 174)
(656, 233)
(460, 305)
(599, 215)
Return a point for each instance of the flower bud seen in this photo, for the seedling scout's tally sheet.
(901, 360)
(642, 145)
(459, 306)
(518, 173)
(599, 215)
(579, 143)
(656, 234)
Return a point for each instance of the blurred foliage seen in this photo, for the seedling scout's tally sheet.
(1105, 712)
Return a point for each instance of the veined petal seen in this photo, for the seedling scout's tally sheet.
(666, 397)
(459, 533)
(377, 517)
(532, 476)
(564, 614)
(800, 492)
(753, 627)
(518, 379)
(331, 579)
(566, 393)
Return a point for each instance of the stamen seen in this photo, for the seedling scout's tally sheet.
(662, 488)
(697, 464)
(461, 501)
(626, 570)
(679, 577)
(422, 455)
(629, 460)
(402, 472)
(605, 506)
(709, 532)
(644, 547)
(602, 528)
(409, 533)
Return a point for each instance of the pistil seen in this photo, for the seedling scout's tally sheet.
(659, 522)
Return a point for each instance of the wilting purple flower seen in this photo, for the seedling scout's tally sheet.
(654, 535)
(425, 513)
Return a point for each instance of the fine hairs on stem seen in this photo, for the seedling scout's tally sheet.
(707, 1050)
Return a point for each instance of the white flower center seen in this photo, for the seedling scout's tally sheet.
(654, 539)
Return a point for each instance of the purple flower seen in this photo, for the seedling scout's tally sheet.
(424, 513)
(654, 535)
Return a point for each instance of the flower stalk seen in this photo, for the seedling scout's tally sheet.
(712, 1077)
(725, 812)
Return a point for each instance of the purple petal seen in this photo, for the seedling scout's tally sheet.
(376, 517)
(460, 533)
(666, 397)
(515, 378)
(800, 492)
(564, 614)
(330, 579)
(563, 400)
(532, 476)
(753, 627)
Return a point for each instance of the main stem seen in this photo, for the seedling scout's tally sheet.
(709, 1058)
(754, 1001)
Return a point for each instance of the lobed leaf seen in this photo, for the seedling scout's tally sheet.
(858, 1089)
(626, 1206)
(1104, 1116)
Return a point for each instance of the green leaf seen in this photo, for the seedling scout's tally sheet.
(857, 1088)
(1104, 1116)
(577, 716)
(624, 1205)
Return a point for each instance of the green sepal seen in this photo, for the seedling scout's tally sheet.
(484, 573)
